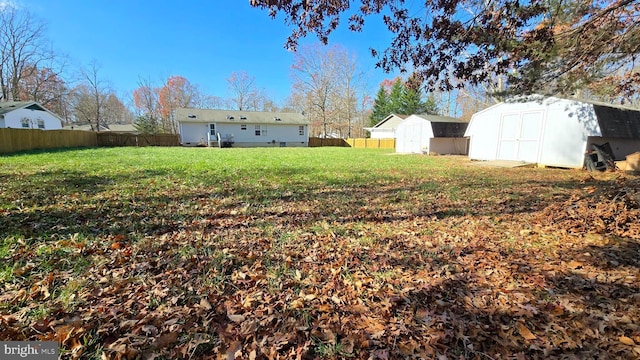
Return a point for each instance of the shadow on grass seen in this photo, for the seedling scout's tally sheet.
(561, 313)
(48, 151)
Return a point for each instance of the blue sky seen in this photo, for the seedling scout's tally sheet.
(204, 41)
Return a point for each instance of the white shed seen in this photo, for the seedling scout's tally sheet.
(28, 115)
(552, 131)
(431, 134)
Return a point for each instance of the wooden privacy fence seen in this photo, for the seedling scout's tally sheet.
(126, 139)
(317, 142)
(361, 143)
(372, 143)
(13, 140)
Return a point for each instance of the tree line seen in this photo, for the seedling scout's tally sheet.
(328, 87)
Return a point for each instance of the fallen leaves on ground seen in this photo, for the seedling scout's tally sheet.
(393, 270)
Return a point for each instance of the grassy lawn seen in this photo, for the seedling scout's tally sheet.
(315, 253)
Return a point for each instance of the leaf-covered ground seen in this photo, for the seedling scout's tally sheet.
(316, 254)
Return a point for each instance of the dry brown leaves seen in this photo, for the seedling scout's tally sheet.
(371, 278)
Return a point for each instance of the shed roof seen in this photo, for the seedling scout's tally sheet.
(449, 130)
(441, 118)
(445, 126)
(237, 116)
(618, 122)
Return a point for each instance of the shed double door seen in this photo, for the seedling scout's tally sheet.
(520, 135)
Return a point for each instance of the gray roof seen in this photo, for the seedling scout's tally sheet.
(618, 122)
(131, 128)
(440, 118)
(389, 117)
(449, 129)
(445, 126)
(8, 106)
(240, 117)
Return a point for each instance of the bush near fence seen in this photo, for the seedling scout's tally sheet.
(14, 140)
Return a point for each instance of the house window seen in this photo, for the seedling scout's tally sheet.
(40, 124)
(301, 130)
(243, 127)
(25, 123)
(261, 130)
(212, 129)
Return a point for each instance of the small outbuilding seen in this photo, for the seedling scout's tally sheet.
(552, 131)
(432, 134)
(386, 129)
(28, 115)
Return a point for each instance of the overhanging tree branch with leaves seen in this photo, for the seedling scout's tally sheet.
(551, 46)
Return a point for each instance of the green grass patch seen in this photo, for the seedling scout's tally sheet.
(319, 252)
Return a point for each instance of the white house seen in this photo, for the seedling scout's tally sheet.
(241, 128)
(552, 131)
(386, 129)
(27, 115)
(431, 134)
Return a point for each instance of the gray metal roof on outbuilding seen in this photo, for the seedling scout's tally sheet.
(618, 122)
(446, 126)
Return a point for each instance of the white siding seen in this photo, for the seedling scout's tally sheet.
(244, 134)
(383, 133)
(192, 134)
(552, 132)
(13, 119)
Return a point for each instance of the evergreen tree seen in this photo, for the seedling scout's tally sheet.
(430, 106)
(412, 99)
(147, 125)
(380, 107)
(411, 102)
(395, 98)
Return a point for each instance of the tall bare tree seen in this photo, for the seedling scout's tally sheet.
(115, 112)
(324, 81)
(91, 97)
(23, 48)
(243, 89)
(145, 101)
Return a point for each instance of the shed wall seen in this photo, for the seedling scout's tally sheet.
(449, 146)
(552, 132)
(620, 147)
(414, 135)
